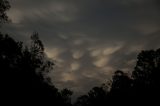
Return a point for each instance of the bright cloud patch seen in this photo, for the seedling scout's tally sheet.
(101, 62)
(77, 54)
(75, 66)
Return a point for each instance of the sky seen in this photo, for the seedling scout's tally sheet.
(88, 39)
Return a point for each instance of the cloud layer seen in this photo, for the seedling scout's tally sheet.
(88, 39)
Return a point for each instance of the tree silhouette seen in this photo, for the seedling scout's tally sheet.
(23, 71)
(120, 89)
(146, 75)
(121, 81)
(143, 87)
(66, 96)
(147, 67)
(95, 97)
(4, 6)
(82, 101)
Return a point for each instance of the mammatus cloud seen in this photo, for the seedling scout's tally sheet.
(77, 54)
(88, 39)
(74, 66)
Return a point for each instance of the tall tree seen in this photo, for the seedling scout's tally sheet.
(146, 75)
(121, 89)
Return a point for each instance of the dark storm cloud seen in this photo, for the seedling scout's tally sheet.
(88, 39)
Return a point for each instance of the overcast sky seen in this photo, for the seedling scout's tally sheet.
(88, 39)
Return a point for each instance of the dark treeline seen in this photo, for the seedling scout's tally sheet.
(23, 72)
(143, 87)
(24, 81)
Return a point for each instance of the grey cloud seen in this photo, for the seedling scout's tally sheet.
(115, 30)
